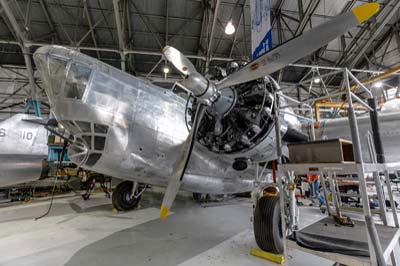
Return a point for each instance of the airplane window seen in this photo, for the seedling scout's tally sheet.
(57, 69)
(100, 128)
(93, 158)
(69, 125)
(84, 126)
(57, 66)
(88, 140)
(104, 91)
(99, 143)
(77, 79)
(77, 153)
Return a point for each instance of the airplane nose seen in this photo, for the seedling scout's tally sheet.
(52, 70)
(63, 78)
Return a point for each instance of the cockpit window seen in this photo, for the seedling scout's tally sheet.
(77, 79)
(57, 69)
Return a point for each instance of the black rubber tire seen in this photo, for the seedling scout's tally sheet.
(196, 196)
(119, 197)
(267, 225)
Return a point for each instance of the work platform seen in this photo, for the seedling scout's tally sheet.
(343, 244)
(332, 171)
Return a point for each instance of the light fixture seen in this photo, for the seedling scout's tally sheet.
(229, 29)
(166, 69)
(378, 84)
(317, 80)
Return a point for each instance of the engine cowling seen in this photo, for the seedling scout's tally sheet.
(239, 119)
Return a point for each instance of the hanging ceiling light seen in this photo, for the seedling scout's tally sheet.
(317, 80)
(166, 69)
(229, 29)
(378, 84)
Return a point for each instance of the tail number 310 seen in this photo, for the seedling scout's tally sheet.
(24, 134)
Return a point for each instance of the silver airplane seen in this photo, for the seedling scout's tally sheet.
(390, 133)
(23, 150)
(131, 129)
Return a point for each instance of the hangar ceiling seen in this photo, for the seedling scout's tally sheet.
(130, 34)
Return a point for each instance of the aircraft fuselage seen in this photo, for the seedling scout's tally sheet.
(22, 150)
(126, 127)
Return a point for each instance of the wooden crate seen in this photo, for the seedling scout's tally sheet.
(324, 151)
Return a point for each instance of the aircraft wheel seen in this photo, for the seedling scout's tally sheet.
(267, 225)
(121, 197)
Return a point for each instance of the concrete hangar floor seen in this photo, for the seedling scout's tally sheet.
(78, 232)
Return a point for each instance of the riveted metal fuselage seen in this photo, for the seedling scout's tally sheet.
(22, 150)
(129, 128)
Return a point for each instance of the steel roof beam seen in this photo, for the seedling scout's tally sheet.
(127, 51)
(147, 23)
(182, 28)
(237, 29)
(211, 38)
(386, 17)
(49, 20)
(121, 42)
(14, 92)
(278, 10)
(90, 31)
(25, 50)
(384, 43)
(312, 6)
(361, 34)
(91, 27)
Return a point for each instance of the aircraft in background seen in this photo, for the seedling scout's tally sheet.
(389, 118)
(23, 150)
(131, 129)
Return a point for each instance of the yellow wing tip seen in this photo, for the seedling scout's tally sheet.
(364, 12)
(163, 212)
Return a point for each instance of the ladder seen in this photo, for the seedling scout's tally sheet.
(379, 250)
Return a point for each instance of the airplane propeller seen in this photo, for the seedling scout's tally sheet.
(193, 81)
(175, 180)
(300, 46)
(207, 92)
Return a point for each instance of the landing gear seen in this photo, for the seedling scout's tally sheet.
(126, 195)
(267, 224)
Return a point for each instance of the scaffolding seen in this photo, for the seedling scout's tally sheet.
(381, 238)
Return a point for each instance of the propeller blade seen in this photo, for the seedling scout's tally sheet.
(175, 180)
(180, 62)
(194, 81)
(300, 46)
